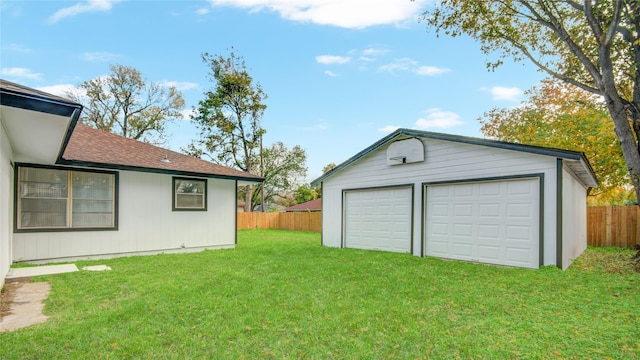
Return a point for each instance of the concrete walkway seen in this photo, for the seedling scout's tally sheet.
(28, 298)
(17, 273)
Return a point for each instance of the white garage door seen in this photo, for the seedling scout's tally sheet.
(495, 222)
(378, 219)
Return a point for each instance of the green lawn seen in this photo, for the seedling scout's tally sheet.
(281, 295)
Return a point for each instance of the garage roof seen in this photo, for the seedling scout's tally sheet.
(576, 161)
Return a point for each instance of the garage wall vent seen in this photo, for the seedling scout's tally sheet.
(405, 152)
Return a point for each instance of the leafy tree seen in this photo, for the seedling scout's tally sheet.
(229, 117)
(283, 169)
(126, 104)
(306, 192)
(328, 168)
(592, 44)
(560, 115)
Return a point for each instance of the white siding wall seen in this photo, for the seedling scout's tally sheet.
(6, 204)
(574, 218)
(444, 161)
(146, 224)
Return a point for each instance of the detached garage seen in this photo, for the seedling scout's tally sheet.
(462, 198)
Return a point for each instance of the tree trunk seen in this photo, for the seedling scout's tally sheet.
(627, 142)
(248, 192)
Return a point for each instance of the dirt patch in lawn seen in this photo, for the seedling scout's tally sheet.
(8, 294)
(21, 304)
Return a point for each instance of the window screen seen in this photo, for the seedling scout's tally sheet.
(189, 194)
(57, 199)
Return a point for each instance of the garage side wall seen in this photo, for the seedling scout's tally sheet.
(574, 218)
(444, 161)
(6, 193)
(146, 224)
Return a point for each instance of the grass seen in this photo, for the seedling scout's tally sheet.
(281, 295)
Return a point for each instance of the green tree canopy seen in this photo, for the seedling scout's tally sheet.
(306, 192)
(561, 115)
(591, 44)
(229, 117)
(126, 104)
(283, 170)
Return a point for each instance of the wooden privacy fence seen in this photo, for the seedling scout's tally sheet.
(298, 221)
(606, 225)
(613, 225)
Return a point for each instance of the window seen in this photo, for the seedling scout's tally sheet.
(189, 194)
(54, 198)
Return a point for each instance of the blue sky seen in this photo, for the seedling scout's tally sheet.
(339, 74)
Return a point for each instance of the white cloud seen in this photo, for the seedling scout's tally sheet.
(374, 52)
(62, 90)
(332, 59)
(440, 119)
(180, 85)
(342, 13)
(102, 56)
(404, 64)
(331, 73)
(21, 73)
(17, 48)
(203, 11)
(79, 8)
(187, 113)
(431, 70)
(389, 129)
(505, 93)
(411, 65)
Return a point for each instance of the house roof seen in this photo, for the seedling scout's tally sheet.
(96, 148)
(313, 205)
(577, 161)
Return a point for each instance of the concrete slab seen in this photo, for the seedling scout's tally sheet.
(97, 268)
(27, 305)
(17, 273)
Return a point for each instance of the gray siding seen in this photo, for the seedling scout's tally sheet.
(146, 224)
(444, 161)
(574, 218)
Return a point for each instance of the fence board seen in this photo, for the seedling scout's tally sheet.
(297, 221)
(606, 225)
(613, 226)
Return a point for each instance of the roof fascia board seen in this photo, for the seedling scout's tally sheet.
(88, 164)
(67, 137)
(37, 103)
(356, 157)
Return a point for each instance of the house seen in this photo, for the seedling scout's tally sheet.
(313, 205)
(456, 197)
(69, 191)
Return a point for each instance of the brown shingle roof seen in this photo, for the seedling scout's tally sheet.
(97, 148)
(313, 205)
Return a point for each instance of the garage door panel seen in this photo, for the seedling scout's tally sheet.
(489, 254)
(378, 219)
(518, 257)
(462, 251)
(493, 221)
